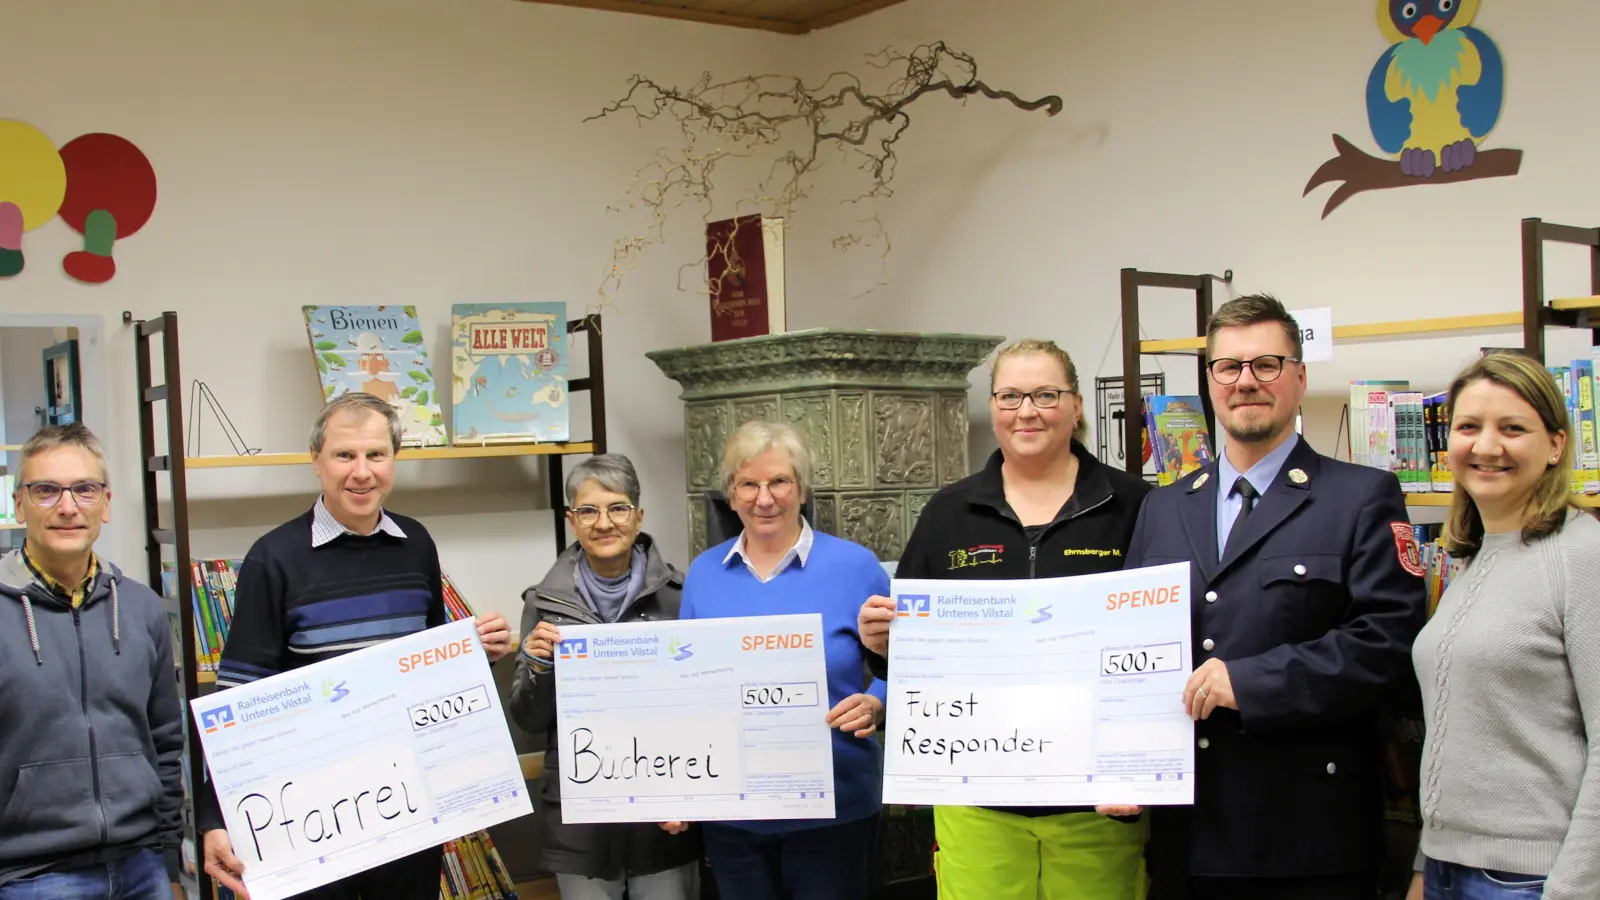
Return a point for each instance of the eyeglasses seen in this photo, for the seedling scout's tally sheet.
(779, 488)
(46, 494)
(617, 513)
(1265, 368)
(1043, 398)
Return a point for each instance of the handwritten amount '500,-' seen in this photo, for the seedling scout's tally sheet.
(1127, 663)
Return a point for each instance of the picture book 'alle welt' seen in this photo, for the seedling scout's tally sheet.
(378, 350)
(509, 373)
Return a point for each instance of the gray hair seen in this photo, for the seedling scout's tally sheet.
(756, 437)
(74, 435)
(356, 402)
(612, 471)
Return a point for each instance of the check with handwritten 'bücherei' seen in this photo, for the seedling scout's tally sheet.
(698, 720)
(334, 768)
(1047, 692)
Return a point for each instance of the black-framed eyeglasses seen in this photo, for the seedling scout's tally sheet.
(1043, 398)
(617, 513)
(46, 494)
(1266, 368)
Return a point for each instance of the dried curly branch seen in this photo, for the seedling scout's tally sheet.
(757, 115)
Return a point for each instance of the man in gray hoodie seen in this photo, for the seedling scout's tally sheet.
(91, 729)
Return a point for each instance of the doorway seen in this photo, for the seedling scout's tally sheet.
(52, 371)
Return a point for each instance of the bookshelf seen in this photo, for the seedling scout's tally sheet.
(1535, 315)
(161, 406)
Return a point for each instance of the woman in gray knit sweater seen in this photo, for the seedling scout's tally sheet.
(1509, 664)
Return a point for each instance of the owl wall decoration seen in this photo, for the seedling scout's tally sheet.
(1433, 96)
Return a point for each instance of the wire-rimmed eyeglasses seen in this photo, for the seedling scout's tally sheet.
(779, 488)
(1265, 368)
(616, 513)
(46, 494)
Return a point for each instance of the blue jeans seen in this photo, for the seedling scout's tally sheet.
(830, 862)
(1450, 881)
(142, 876)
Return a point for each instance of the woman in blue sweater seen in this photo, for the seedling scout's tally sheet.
(779, 566)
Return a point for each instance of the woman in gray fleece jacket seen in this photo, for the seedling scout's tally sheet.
(1509, 664)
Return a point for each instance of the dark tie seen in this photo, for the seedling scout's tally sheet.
(1247, 493)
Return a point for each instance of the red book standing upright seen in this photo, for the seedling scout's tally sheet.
(744, 269)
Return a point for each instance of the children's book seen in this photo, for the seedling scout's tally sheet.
(1179, 434)
(378, 350)
(508, 365)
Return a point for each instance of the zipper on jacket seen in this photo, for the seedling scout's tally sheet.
(578, 612)
(94, 754)
(1033, 545)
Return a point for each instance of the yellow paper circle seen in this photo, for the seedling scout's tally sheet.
(32, 174)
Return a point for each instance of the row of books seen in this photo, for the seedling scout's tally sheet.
(508, 369)
(1441, 568)
(1393, 427)
(214, 583)
(473, 870)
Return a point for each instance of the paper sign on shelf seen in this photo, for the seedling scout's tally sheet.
(1316, 333)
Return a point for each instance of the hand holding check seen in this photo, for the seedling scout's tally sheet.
(541, 643)
(873, 624)
(495, 635)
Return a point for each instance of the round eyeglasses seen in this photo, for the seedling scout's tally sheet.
(1266, 368)
(616, 513)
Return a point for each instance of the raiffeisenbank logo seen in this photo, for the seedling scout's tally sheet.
(333, 693)
(678, 651)
(1037, 612)
(214, 720)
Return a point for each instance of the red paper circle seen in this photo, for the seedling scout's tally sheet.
(107, 172)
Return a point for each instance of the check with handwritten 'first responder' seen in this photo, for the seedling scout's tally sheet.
(1046, 692)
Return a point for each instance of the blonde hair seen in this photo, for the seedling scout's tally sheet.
(355, 402)
(1546, 512)
(1035, 346)
(756, 437)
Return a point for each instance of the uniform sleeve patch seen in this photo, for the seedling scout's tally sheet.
(1405, 544)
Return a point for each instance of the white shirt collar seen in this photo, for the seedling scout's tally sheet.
(324, 527)
(800, 552)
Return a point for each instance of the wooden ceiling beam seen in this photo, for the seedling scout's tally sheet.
(845, 14)
(682, 15)
(853, 11)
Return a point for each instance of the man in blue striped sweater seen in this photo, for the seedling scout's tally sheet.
(342, 576)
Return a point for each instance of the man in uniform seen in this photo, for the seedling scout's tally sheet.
(1307, 595)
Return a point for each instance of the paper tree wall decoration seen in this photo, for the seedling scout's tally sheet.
(32, 182)
(101, 185)
(111, 192)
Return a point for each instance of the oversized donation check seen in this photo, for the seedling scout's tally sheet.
(1048, 692)
(701, 720)
(340, 766)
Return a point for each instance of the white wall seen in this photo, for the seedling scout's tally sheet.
(1189, 132)
(431, 152)
(366, 151)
